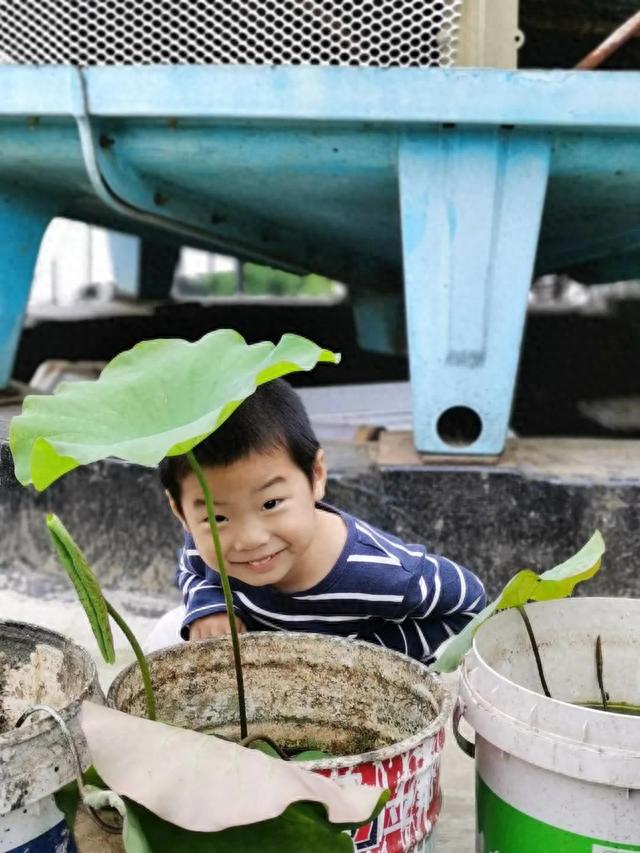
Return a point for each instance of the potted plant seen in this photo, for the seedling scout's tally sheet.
(162, 398)
(555, 704)
(549, 687)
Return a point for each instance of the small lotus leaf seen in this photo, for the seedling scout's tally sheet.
(558, 582)
(158, 399)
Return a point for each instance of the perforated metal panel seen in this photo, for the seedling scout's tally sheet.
(289, 32)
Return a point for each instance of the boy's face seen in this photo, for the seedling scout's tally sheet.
(266, 514)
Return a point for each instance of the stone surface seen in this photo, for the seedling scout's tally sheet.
(498, 519)
(118, 515)
(457, 826)
(532, 509)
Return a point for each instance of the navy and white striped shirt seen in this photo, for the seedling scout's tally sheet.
(380, 589)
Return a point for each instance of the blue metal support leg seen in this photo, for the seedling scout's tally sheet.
(23, 220)
(471, 202)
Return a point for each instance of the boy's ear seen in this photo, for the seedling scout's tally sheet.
(176, 510)
(319, 475)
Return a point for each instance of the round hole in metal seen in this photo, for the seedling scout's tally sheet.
(459, 426)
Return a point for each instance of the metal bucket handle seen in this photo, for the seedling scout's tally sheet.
(51, 712)
(465, 745)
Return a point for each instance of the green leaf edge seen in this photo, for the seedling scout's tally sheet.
(45, 465)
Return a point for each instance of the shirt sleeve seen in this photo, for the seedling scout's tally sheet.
(440, 599)
(200, 587)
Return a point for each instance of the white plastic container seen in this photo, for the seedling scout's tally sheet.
(552, 776)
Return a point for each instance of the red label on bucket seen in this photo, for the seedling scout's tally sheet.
(413, 778)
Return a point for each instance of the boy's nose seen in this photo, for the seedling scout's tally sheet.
(250, 536)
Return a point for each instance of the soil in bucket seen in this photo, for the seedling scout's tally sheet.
(557, 772)
(380, 715)
(25, 681)
(38, 666)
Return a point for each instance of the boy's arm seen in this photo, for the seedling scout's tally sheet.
(201, 589)
(440, 599)
(190, 569)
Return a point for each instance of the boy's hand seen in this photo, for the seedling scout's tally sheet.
(213, 626)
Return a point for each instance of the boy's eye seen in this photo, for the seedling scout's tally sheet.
(271, 504)
(219, 519)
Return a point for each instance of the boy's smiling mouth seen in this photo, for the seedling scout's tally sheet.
(261, 563)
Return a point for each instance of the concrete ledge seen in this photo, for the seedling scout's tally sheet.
(532, 509)
(571, 459)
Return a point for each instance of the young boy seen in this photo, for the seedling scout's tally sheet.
(294, 562)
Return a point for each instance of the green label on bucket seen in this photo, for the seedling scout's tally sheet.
(503, 829)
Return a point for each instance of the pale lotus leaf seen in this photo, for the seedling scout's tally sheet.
(525, 586)
(206, 784)
(158, 399)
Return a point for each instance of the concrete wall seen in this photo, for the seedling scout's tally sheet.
(495, 520)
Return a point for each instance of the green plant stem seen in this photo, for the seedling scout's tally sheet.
(600, 673)
(226, 589)
(269, 741)
(142, 661)
(536, 651)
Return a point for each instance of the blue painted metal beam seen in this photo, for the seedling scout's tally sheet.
(304, 168)
(560, 99)
(24, 217)
(471, 205)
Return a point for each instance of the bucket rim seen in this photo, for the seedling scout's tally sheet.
(596, 747)
(474, 652)
(552, 603)
(17, 737)
(384, 753)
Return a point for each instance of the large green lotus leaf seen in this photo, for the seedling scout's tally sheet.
(558, 582)
(158, 399)
(302, 826)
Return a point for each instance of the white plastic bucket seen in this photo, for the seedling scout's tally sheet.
(552, 776)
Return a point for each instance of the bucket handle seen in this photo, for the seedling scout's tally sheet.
(51, 712)
(465, 745)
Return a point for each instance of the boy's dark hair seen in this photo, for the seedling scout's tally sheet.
(272, 417)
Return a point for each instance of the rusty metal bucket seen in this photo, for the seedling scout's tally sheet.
(382, 713)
